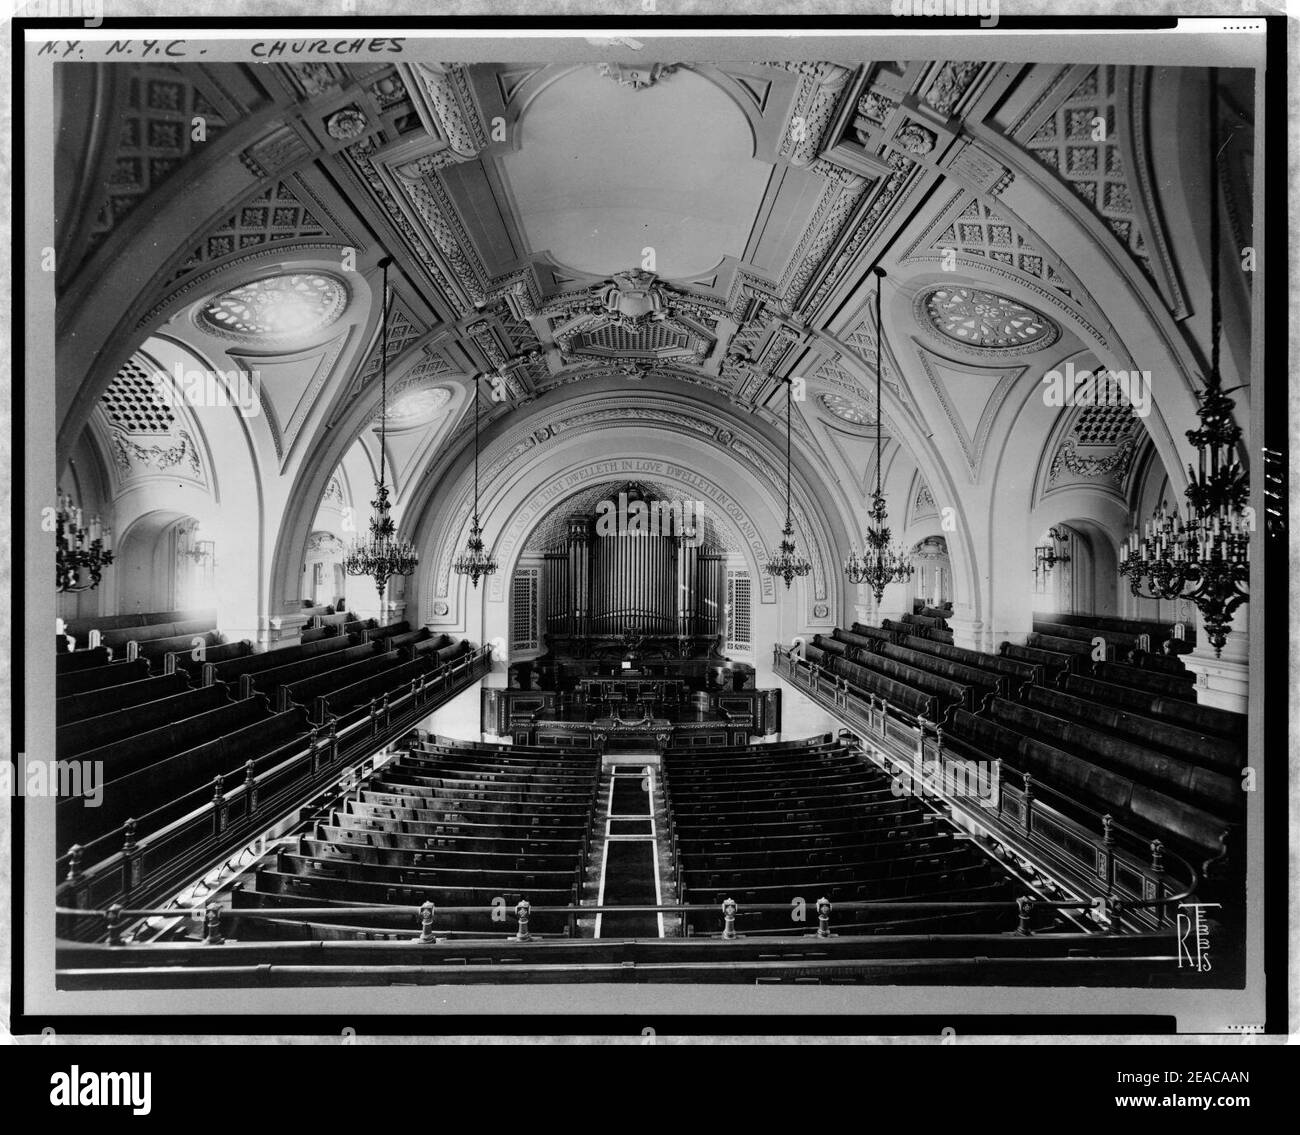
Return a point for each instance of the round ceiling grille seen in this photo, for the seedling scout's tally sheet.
(290, 306)
(984, 320)
(417, 406)
(847, 409)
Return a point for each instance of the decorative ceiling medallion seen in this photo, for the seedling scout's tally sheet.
(847, 409)
(634, 75)
(984, 322)
(346, 124)
(292, 306)
(915, 138)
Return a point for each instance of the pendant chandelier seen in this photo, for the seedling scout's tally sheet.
(475, 561)
(382, 555)
(81, 553)
(1204, 546)
(787, 564)
(880, 563)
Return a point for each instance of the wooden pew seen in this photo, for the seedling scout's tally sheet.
(1074, 647)
(145, 748)
(867, 681)
(81, 660)
(1052, 661)
(1190, 715)
(348, 702)
(982, 681)
(184, 660)
(109, 699)
(1147, 680)
(1181, 779)
(1206, 749)
(452, 855)
(232, 669)
(120, 638)
(303, 671)
(945, 689)
(1010, 668)
(158, 793)
(121, 724)
(157, 649)
(1090, 783)
(100, 678)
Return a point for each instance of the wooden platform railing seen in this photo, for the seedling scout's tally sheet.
(118, 867)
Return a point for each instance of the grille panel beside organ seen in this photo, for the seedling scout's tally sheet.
(635, 567)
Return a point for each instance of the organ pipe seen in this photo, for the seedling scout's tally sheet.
(624, 582)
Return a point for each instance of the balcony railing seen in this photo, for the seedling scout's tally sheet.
(1124, 870)
(124, 869)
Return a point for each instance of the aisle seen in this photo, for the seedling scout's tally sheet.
(629, 873)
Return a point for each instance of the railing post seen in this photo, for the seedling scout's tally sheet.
(219, 807)
(313, 739)
(1028, 799)
(250, 784)
(1116, 911)
(212, 925)
(131, 866)
(426, 923)
(522, 909)
(75, 879)
(1025, 909)
(1108, 844)
(1158, 869)
(374, 715)
(729, 918)
(823, 918)
(113, 923)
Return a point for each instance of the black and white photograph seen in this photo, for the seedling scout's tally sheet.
(647, 518)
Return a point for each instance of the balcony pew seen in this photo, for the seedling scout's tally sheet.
(1148, 680)
(123, 723)
(108, 699)
(1205, 749)
(1189, 715)
(100, 678)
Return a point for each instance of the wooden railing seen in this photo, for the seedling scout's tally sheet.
(215, 916)
(1124, 871)
(224, 819)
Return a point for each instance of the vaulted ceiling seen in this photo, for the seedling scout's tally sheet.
(675, 227)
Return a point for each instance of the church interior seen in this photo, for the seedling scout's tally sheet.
(723, 522)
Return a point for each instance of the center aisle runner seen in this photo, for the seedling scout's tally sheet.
(629, 877)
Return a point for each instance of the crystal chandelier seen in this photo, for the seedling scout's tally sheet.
(475, 561)
(787, 563)
(880, 563)
(1206, 544)
(382, 555)
(79, 549)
